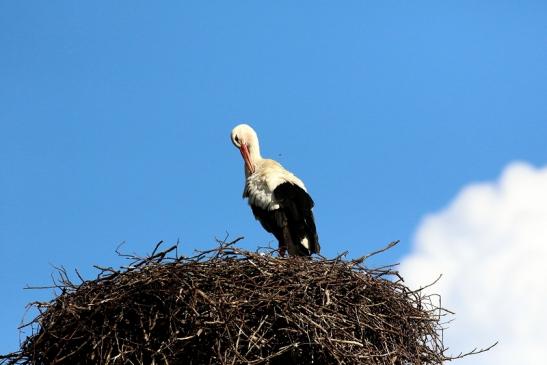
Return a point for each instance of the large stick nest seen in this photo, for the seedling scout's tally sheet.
(231, 306)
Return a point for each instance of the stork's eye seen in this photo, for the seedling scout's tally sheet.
(236, 139)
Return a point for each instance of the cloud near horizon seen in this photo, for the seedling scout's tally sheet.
(490, 245)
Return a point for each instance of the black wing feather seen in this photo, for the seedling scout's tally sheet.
(295, 214)
(298, 204)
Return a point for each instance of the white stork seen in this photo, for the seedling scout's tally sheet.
(278, 199)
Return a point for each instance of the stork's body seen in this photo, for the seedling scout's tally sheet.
(278, 199)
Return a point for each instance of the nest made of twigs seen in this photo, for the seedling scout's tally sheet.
(231, 306)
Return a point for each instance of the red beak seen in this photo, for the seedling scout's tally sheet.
(247, 158)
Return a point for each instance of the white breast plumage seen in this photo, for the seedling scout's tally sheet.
(259, 186)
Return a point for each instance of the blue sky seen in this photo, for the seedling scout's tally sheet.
(116, 117)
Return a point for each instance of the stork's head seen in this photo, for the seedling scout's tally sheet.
(246, 140)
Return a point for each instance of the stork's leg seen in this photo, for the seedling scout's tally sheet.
(287, 241)
(279, 226)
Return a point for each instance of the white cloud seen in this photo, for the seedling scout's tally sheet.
(490, 245)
